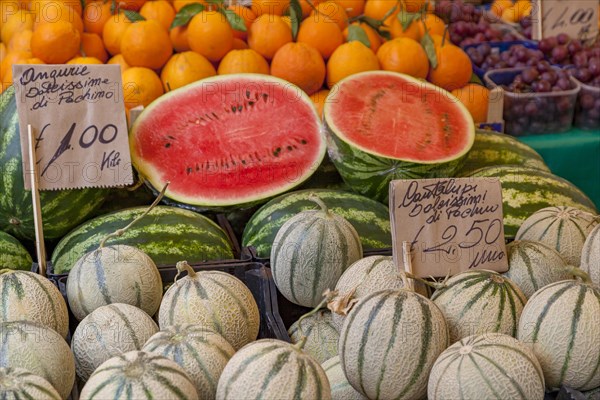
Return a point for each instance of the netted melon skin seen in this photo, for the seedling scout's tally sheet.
(321, 335)
(590, 255)
(18, 383)
(340, 388)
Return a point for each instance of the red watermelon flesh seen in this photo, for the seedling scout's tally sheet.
(398, 117)
(228, 140)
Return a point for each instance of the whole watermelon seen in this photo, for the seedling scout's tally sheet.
(62, 210)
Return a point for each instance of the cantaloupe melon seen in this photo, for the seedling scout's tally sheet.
(114, 274)
(490, 366)
(18, 383)
(139, 375)
(562, 228)
(321, 336)
(340, 388)
(201, 353)
(41, 351)
(25, 296)
(108, 331)
(590, 255)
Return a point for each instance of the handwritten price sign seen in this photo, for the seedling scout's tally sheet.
(78, 118)
(576, 18)
(452, 224)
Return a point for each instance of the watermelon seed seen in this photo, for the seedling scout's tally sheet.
(215, 115)
(240, 108)
(265, 96)
(303, 141)
(244, 162)
(167, 145)
(189, 170)
(247, 93)
(250, 103)
(233, 108)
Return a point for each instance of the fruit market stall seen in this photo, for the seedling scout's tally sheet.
(314, 199)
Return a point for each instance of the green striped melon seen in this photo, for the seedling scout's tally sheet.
(389, 343)
(590, 255)
(562, 228)
(166, 235)
(13, 255)
(108, 331)
(25, 296)
(561, 324)
(367, 275)
(490, 366)
(18, 383)
(534, 265)
(214, 299)
(271, 369)
(370, 218)
(527, 190)
(139, 375)
(340, 388)
(62, 209)
(310, 253)
(39, 350)
(480, 301)
(201, 353)
(321, 336)
(492, 149)
(114, 274)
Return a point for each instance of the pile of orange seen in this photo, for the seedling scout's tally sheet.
(511, 11)
(333, 41)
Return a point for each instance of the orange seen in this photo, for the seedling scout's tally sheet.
(498, 6)
(300, 64)
(34, 60)
(273, 7)
(435, 25)
(331, 11)
(247, 15)
(141, 86)
(118, 59)
(476, 98)
(397, 31)
(113, 31)
(56, 42)
(146, 44)
(510, 15)
(239, 44)
(307, 8)
(2, 51)
(319, 99)
(377, 9)
(322, 35)
(20, 41)
(184, 68)
(92, 46)
(210, 34)
(159, 10)
(288, 20)
(348, 59)
(353, 8)
(179, 38)
(243, 61)
(268, 34)
(53, 11)
(134, 5)
(523, 9)
(12, 57)
(21, 20)
(179, 4)
(404, 55)
(49, 9)
(414, 5)
(95, 15)
(84, 60)
(372, 35)
(454, 69)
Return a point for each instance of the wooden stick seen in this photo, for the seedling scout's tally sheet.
(37, 210)
(408, 263)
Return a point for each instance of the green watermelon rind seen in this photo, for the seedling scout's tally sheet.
(166, 234)
(13, 255)
(370, 218)
(527, 190)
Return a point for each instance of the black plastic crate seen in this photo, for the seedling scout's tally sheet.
(366, 253)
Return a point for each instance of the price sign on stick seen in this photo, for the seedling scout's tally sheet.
(576, 18)
(451, 225)
(77, 116)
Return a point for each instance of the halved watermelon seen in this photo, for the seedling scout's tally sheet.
(228, 141)
(385, 125)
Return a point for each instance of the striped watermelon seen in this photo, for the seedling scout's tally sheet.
(340, 388)
(108, 331)
(389, 343)
(18, 383)
(217, 300)
(383, 126)
(62, 209)
(325, 177)
(114, 274)
(562, 228)
(139, 375)
(590, 255)
(480, 301)
(321, 335)
(370, 218)
(271, 369)
(527, 190)
(561, 324)
(534, 265)
(490, 366)
(25, 296)
(167, 235)
(39, 350)
(492, 149)
(310, 253)
(13, 255)
(201, 353)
